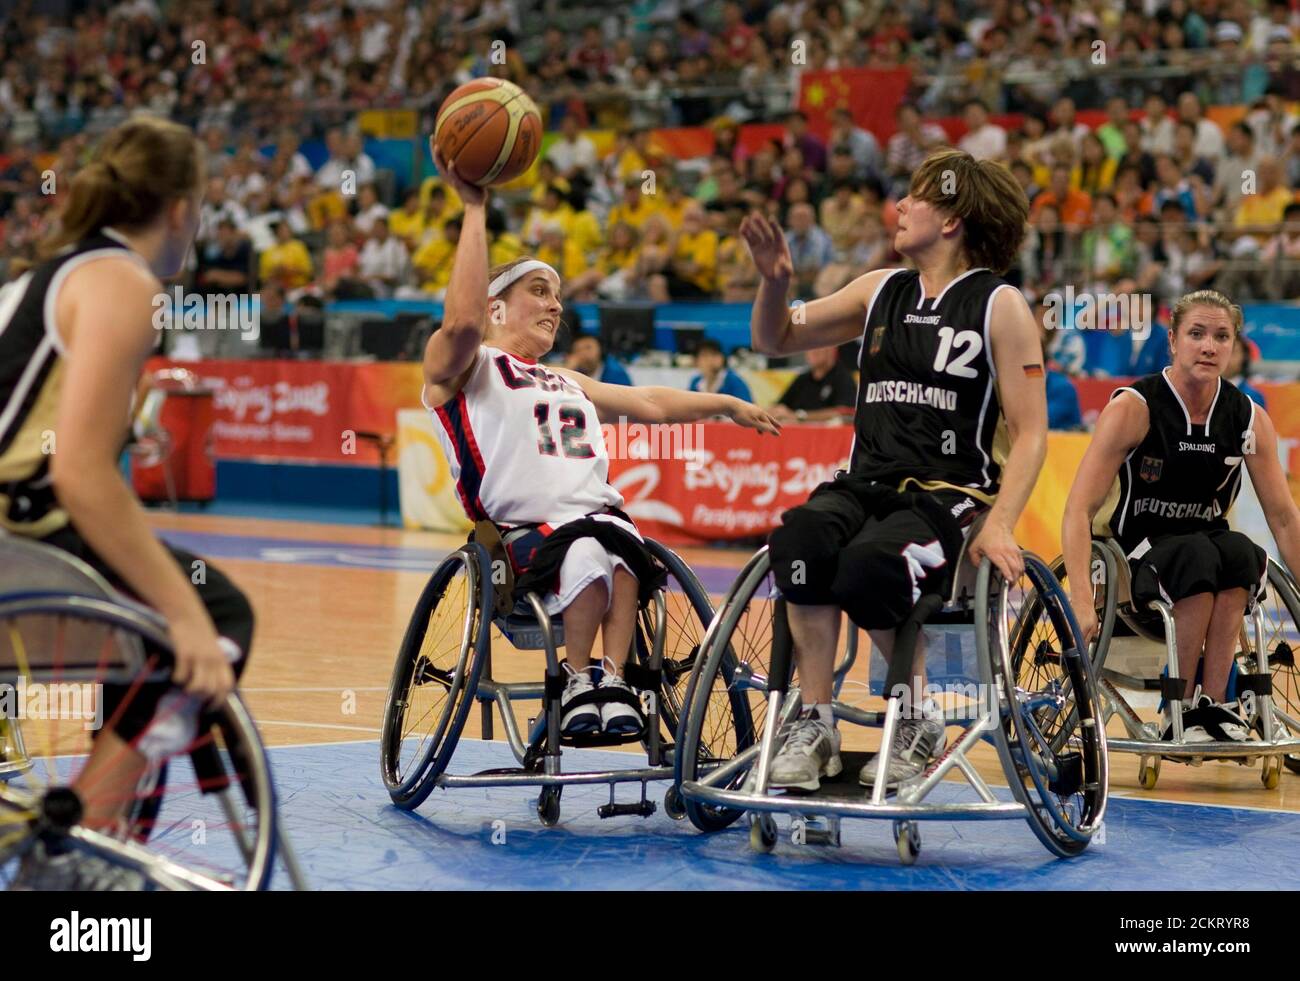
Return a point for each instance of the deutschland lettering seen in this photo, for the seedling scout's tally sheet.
(1170, 509)
(912, 393)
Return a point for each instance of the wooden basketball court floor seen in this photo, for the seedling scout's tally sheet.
(332, 602)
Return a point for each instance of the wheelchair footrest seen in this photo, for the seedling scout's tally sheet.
(642, 808)
(845, 786)
(599, 739)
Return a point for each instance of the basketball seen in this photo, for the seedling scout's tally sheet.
(490, 130)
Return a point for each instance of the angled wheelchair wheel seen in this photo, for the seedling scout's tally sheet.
(687, 615)
(1103, 573)
(436, 675)
(202, 816)
(1281, 609)
(725, 713)
(1050, 735)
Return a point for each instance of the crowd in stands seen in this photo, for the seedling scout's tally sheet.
(1160, 198)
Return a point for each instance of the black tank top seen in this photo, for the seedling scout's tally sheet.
(928, 407)
(1182, 477)
(31, 376)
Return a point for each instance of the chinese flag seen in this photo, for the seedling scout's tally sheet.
(871, 94)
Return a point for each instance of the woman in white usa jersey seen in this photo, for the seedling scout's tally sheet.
(525, 447)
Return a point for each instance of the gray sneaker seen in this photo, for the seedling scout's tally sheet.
(73, 871)
(917, 742)
(811, 751)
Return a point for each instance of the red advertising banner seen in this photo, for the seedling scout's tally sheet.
(301, 410)
(729, 483)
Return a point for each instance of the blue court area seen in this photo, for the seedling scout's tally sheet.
(349, 836)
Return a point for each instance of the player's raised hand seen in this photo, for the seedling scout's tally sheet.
(751, 416)
(768, 247)
(469, 193)
(997, 543)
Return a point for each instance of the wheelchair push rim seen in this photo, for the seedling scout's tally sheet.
(447, 650)
(1051, 740)
(223, 764)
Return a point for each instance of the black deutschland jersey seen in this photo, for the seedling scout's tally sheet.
(1182, 477)
(31, 374)
(928, 408)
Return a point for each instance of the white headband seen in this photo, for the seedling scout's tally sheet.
(498, 285)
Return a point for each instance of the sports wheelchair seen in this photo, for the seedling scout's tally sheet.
(1048, 737)
(1265, 664)
(205, 816)
(444, 666)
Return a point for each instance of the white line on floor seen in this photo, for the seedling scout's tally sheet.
(335, 688)
(318, 725)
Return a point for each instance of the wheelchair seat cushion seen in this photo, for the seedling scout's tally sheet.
(542, 572)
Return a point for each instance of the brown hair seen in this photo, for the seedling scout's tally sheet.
(984, 195)
(138, 169)
(1205, 298)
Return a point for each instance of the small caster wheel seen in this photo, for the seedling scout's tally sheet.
(548, 806)
(1292, 762)
(762, 834)
(1271, 775)
(1149, 772)
(908, 838)
(674, 806)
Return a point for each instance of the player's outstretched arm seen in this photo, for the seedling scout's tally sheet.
(1018, 357)
(1272, 490)
(1120, 427)
(776, 328)
(450, 353)
(656, 404)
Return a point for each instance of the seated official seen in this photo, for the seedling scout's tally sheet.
(826, 391)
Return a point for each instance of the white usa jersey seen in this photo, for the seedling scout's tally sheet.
(524, 444)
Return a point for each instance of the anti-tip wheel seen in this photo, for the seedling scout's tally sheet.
(674, 806)
(1149, 772)
(548, 806)
(1271, 774)
(908, 838)
(762, 834)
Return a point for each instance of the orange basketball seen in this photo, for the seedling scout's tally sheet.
(490, 130)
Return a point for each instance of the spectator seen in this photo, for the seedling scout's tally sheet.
(587, 356)
(692, 272)
(217, 208)
(287, 263)
(369, 209)
(797, 135)
(1258, 214)
(224, 264)
(1235, 168)
(383, 260)
(863, 148)
(433, 260)
(1171, 186)
(560, 252)
(407, 222)
(910, 145)
(1111, 132)
(1073, 206)
(503, 245)
(810, 249)
(1282, 257)
(871, 249)
(713, 374)
(341, 266)
(609, 277)
(573, 154)
(1209, 138)
(1185, 154)
(1157, 127)
(984, 140)
(1095, 172)
(825, 392)
(1108, 247)
(635, 208)
(1063, 412)
(1237, 371)
(841, 216)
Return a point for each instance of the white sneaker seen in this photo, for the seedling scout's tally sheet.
(582, 719)
(617, 717)
(917, 742)
(811, 751)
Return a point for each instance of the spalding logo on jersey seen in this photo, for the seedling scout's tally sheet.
(1151, 467)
